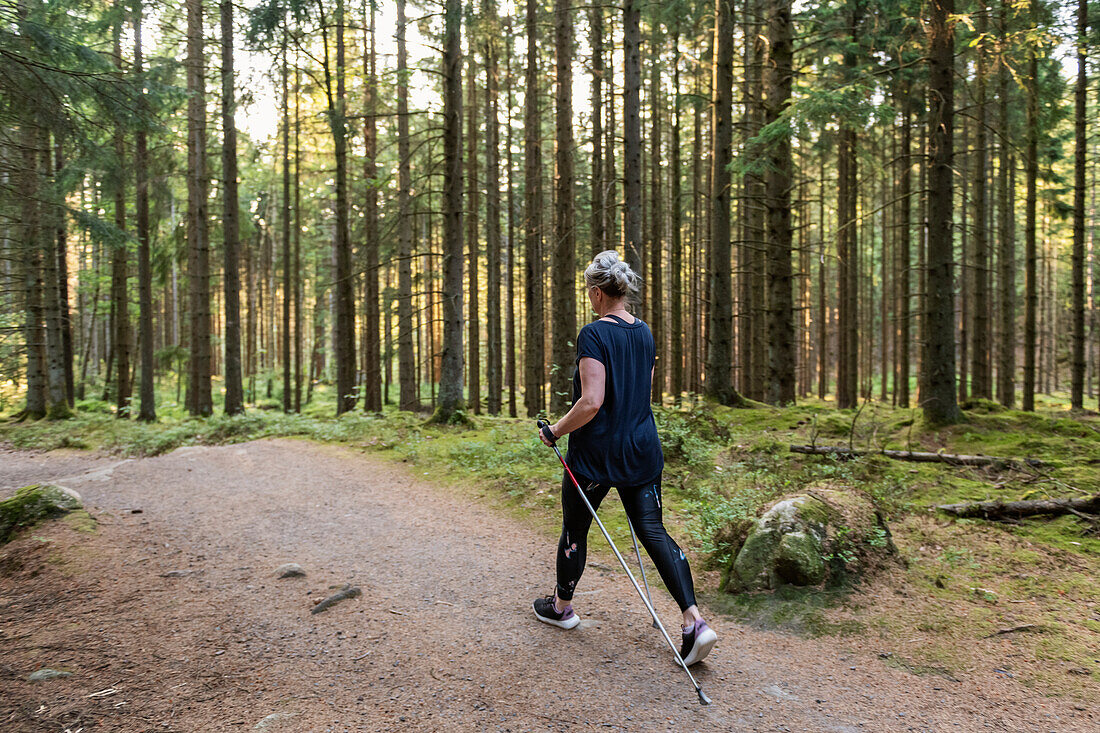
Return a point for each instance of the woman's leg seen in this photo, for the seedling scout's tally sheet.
(643, 508)
(573, 545)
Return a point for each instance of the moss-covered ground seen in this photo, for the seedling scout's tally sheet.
(937, 610)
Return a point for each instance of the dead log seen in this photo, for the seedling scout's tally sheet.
(1002, 510)
(953, 459)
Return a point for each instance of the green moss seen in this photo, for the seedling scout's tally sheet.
(32, 504)
(81, 521)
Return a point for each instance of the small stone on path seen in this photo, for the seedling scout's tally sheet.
(290, 570)
(47, 674)
(274, 719)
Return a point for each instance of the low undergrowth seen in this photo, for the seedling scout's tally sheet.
(960, 582)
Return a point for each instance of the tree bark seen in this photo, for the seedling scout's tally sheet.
(655, 294)
(119, 275)
(719, 384)
(344, 331)
(284, 211)
(1077, 381)
(147, 412)
(199, 397)
(473, 318)
(406, 366)
(676, 253)
(980, 382)
(1002, 510)
(372, 365)
(632, 135)
(778, 77)
(534, 349)
(905, 214)
(939, 403)
(492, 211)
(450, 378)
(234, 385)
(57, 401)
(1031, 293)
(599, 203)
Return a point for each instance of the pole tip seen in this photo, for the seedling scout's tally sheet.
(703, 699)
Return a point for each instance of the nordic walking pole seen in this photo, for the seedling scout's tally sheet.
(544, 428)
(641, 567)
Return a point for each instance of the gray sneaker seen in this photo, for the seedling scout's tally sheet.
(697, 643)
(545, 612)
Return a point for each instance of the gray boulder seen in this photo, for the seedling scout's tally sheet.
(33, 504)
(809, 539)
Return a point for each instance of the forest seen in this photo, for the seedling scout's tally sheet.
(854, 201)
(284, 285)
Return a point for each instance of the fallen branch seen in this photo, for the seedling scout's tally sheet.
(1001, 510)
(915, 456)
(1013, 630)
(347, 591)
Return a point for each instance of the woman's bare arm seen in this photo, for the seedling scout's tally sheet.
(593, 383)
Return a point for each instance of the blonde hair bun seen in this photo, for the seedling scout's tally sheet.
(611, 275)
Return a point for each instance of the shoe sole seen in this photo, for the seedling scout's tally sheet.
(570, 623)
(703, 645)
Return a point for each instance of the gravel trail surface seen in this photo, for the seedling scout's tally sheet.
(171, 618)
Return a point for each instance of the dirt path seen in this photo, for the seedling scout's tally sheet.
(442, 638)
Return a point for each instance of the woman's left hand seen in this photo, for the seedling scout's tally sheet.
(543, 437)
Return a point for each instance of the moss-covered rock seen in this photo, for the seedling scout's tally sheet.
(32, 504)
(823, 534)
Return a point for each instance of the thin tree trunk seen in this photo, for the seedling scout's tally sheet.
(63, 287)
(599, 204)
(199, 397)
(297, 279)
(450, 377)
(632, 135)
(1031, 297)
(1077, 379)
(473, 307)
(372, 367)
(57, 402)
(34, 331)
(655, 295)
(510, 267)
(285, 219)
(534, 350)
(147, 412)
(904, 238)
(406, 366)
(980, 383)
(778, 77)
(719, 384)
(344, 285)
(119, 274)
(492, 214)
(234, 385)
(939, 403)
(676, 266)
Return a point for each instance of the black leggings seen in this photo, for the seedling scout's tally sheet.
(643, 508)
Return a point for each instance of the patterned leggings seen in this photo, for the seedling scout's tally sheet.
(643, 508)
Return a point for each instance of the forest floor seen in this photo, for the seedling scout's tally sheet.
(170, 618)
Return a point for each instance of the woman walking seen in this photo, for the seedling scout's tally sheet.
(614, 442)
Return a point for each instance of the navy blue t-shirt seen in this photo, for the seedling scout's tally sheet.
(619, 446)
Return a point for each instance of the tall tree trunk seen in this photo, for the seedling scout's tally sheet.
(632, 134)
(372, 366)
(655, 296)
(778, 76)
(904, 238)
(473, 307)
(1077, 381)
(939, 402)
(34, 330)
(980, 385)
(284, 208)
(344, 328)
(510, 283)
(676, 254)
(492, 212)
(599, 203)
(234, 384)
(148, 411)
(297, 272)
(406, 366)
(119, 274)
(534, 350)
(450, 377)
(199, 397)
(564, 322)
(57, 402)
(63, 287)
(1031, 294)
(754, 260)
(1006, 259)
(719, 383)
